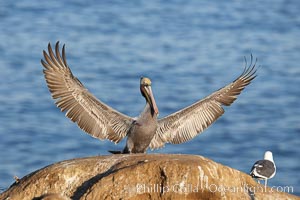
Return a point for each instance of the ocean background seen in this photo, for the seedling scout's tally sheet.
(188, 48)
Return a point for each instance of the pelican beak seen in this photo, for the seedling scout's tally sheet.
(150, 99)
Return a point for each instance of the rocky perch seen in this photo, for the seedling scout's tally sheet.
(140, 176)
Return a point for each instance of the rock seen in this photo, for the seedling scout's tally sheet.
(140, 176)
(52, 197)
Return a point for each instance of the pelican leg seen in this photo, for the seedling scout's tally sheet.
(115, 152)
(129, 146)
(258, 181)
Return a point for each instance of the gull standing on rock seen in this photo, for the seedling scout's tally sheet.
(264, 169)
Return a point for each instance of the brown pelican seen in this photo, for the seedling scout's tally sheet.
(103, 122)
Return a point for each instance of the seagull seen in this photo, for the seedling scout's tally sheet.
(264, 169)
(145, 131)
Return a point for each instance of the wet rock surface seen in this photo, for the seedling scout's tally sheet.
(140, 176)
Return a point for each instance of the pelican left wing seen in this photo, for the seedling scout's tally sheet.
(187, 123)
(91, 115)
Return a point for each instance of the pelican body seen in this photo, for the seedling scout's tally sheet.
(144, 127)
(103, 122)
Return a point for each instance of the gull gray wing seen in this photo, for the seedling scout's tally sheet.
(187, 123)
(91, 115)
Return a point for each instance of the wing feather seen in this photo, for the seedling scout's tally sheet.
(187, 123)
(91, 115)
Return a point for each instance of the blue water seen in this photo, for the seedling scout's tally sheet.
(188, 48)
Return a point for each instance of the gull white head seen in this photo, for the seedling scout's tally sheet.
(268, 156)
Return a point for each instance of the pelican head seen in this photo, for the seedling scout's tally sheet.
(145, 86)
(268, 156)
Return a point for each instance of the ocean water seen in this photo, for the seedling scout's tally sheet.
(188, 48)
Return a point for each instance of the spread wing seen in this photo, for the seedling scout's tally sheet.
(187, 123)
(91, 115)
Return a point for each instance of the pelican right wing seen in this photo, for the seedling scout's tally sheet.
(91, 115)
(187, 123)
